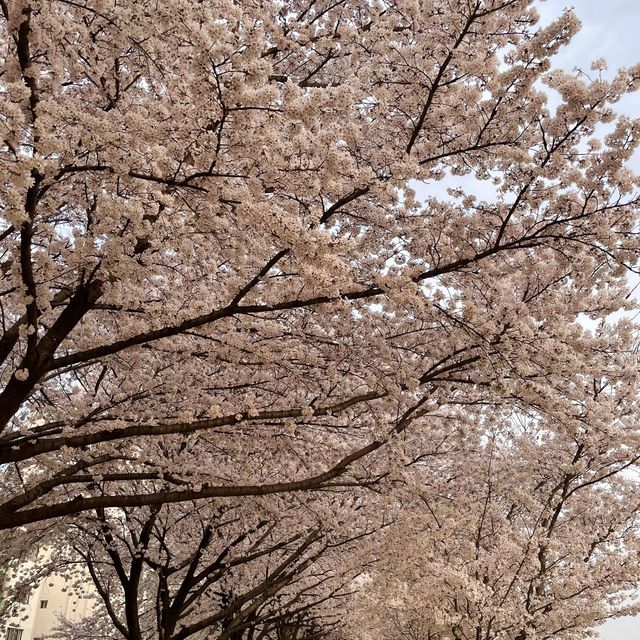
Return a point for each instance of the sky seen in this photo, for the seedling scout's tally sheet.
(609, 31)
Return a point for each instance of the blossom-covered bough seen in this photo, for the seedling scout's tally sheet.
(527, 537)
(217, 279)
(233, 570)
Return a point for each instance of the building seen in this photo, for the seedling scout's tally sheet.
(34, 615)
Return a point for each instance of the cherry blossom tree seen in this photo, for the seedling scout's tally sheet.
(248, 284)
(218, 280)
(227, 570)
(533, 535)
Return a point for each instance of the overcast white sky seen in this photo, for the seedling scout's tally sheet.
(610, 31)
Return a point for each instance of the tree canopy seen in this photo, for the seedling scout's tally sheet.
(244, 258)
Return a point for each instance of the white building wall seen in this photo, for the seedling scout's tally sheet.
(36, 620)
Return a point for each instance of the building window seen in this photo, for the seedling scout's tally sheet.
(13, 633)
(43, 604)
